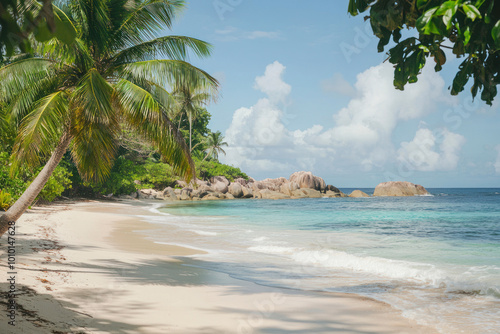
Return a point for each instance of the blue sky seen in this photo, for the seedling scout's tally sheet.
(303, 88)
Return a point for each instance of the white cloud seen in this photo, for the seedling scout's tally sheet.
(497, 162)
(272, 84)
(235, 34)
(337, 84)
(226, 31)
(361, 138)
(262, 34)
(422, 153)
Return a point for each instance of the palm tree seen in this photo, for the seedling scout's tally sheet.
(76, 96)
(215, 141)
(189, 100)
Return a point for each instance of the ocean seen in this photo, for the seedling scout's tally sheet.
(436, 258)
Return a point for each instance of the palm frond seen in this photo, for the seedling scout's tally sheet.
(75, 54)
(173, 47)
(215, 141)
(4, 120)
(144, 21)
(95, 127)
(160, 94)
(145, 114)
(16, 76)
(94, 149)
(171, 73)
(93, 22)
(93, 97)
(23, 102)
(41, 129)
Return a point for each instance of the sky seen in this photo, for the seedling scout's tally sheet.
(304, 88)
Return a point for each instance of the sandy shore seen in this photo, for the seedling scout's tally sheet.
(85, 267)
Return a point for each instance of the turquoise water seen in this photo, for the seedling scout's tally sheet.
(436, 258)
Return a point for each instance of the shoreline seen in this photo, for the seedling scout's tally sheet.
(86, 267)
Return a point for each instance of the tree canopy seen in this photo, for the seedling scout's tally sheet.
(118, 71)
(22, 19)
(470, 29)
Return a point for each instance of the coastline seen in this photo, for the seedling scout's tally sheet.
(86, 267)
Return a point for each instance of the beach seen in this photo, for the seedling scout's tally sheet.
(89, 267)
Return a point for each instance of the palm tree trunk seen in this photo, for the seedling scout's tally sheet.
(206, 156)
(29, 195)
(190, 130)
(180, 121)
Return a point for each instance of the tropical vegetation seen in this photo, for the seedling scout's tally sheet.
(100, 111)
(469, 29)
(215, 142)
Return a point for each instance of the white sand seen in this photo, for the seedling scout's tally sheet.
(81, 268)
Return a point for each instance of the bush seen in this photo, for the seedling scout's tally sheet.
(120, 181)
(6, 200)
(207, 169)
(14, 186)
(155, 175)
(58, 182)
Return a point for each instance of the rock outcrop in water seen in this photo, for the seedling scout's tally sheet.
(399, 188)
(358, 193)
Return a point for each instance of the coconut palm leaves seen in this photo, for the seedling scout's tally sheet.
(40, 129)
(109, 76)
(215, 142)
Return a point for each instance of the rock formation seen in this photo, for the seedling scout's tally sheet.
(222, 179)
(221, 187)
(308, 180)
(235, 190)
(358, 193)
(168, 193)
(270, 194)
(288, 188)
(306, 193)
(299, 185)
(399, 188)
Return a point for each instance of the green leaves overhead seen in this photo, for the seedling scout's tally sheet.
(358, 6)
(470, 28)
(448, 11)
(21, 19)
(495, 34)
(63, 29)
(471, 11)
(429, 22)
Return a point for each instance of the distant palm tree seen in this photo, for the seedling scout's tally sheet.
(215, 141)
(190, 99)
(76, 96)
